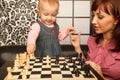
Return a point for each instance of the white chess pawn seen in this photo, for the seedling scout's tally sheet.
(32, 56)
(28, 58)
(9, 76)
(17, 57)
(48, 64)
(27, 66)
(48, 61)
(47, 57)
(16, 65)
(24, 77)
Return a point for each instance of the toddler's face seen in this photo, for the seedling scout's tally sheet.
(48, 14)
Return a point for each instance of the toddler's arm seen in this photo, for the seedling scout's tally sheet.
(32, 37)
(63, 34)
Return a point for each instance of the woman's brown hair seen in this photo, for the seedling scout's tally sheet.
(110, 7)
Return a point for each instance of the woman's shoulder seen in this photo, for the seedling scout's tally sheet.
(91, 40)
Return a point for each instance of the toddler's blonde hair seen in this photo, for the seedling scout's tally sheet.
(50, 2)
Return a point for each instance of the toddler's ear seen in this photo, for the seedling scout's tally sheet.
(37, 11)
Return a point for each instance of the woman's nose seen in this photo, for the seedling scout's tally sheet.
(94, 20)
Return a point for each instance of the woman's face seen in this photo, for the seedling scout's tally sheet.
(103, 23)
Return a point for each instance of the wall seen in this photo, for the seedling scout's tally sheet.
(16, 16)
(77, 14)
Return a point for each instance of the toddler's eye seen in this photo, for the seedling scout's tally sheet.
(45, 14)
(54, 15)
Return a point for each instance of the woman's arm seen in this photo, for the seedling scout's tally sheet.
(75, 41)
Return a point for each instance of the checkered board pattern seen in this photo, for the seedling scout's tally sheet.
(39, 71)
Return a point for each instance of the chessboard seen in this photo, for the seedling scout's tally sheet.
(50, 68)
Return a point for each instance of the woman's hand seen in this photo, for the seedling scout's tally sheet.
(97, 68)
(75, 40)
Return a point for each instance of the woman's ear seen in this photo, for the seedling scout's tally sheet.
(116, 21)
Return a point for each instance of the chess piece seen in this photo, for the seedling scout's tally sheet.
(17, 56)
(70, 59)
(32, 56)
(48, 61)
(64, 66)
(77, 72)
(77, 57)
(80, 55)
(9, 70)
(16, 65)
(57, 60)
(80, 58)
(87, 70)
(47, 57)
(82, 64)
(74, 68)
(27, 66)
(40, 59)
(24, 77)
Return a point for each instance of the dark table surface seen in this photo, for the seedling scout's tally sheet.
(3, 69)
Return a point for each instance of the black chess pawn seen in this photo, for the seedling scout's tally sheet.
(64, 66)
(74, 68)
(82, 64)
(87, 70)
(57, 61)
(40, 59)
(80, 56)
(70, 59)
(77, 57)
(77, 72)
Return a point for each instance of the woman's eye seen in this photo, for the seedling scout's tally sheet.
(92, 16)
(100, 16)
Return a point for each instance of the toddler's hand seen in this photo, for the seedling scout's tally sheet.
(70, 30)
(31, 48)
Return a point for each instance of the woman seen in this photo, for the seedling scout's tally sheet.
(104, 44)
